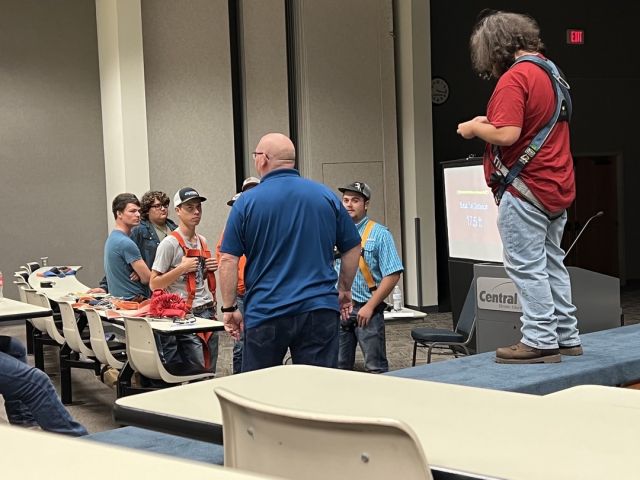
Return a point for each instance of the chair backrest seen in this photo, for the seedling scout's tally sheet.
(21, 290)
(32, 298)
(70, 330)
(22, 274)
(33, 266)
(467, 320)
(142, 353)
(99, 344)
(50, 325)
(296, 444)
(141, 347)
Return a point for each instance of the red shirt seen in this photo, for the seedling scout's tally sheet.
(524, 98)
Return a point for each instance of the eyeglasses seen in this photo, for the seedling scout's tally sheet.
(255, 154)
(160, 205)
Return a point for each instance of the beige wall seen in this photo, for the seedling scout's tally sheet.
(416, 147)
(264, 72)
(347, 112)
(52, 183)
(189, 102)
(346, 94)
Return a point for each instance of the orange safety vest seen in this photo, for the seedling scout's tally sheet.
(364, 268)
(204, 252)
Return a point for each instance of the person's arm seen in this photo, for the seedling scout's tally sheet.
(481, 128)
(377, 297)
(142, 270)
(348, 269)
(163, 280)
(233, 321)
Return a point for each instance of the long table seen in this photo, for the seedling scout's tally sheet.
(30, 455)
(491, 433)
(60, 287)
(13, 310)
(404, 314)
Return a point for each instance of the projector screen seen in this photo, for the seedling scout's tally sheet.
(471, 212)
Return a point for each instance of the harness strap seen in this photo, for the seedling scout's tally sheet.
(362, 263)
(204, 252)
(562, 112)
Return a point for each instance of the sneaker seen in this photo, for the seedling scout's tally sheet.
(521, 353)
(110, 377)
(574, 351)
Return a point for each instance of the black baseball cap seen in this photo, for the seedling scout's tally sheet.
(185, 194)
(357, 187)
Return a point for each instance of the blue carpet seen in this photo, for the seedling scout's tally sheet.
(611, 357)
(150, 441)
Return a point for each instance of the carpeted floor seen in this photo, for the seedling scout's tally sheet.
(93, 400)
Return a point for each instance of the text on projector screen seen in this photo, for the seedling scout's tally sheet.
(471, 213)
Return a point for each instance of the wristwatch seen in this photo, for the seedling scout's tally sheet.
(229, 309)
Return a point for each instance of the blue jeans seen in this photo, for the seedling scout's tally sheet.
(212, 343)
(29, 396)
(237, 345)
(312, 338)
(371, 339)
(183, 353)
(534, 261)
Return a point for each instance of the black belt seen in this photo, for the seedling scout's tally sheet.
(381, 307)
(202, 308)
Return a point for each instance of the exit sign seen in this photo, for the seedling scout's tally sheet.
(575, 36)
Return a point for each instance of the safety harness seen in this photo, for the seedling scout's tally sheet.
(204, 253)
(364, 268)
(502, 176)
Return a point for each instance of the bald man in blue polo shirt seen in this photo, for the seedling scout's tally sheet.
(287, 227)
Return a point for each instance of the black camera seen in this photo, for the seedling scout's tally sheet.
(349, 325)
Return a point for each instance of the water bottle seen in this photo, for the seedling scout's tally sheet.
(397, 298)
(1, 285)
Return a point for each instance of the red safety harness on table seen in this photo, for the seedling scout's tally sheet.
(203, 252)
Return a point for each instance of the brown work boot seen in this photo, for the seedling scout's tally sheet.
(574, 351)
(521, 353)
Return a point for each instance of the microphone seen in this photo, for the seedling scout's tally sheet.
(593, 217)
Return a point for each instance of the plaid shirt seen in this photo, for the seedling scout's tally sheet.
(381, 256)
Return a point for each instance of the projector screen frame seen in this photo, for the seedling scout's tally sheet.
(470, 161)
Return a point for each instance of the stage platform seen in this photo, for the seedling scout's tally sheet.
(611, 358)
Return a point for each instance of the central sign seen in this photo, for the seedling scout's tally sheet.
(497, 294)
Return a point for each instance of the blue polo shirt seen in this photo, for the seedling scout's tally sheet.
(287, 227)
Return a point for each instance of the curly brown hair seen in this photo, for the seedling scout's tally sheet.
(148, 199)
(497, 36)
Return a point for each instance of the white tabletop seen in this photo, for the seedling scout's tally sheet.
(620, 397)
(61, 286)
(405, 313)
(33, 455)
(466, 429)
(167, 325)
(14, 310)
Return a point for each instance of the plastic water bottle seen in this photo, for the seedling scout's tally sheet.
(397, 298)
(1, 285)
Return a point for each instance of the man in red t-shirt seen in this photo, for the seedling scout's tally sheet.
(531, 228)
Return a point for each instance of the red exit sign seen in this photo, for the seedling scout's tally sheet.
(575, 36)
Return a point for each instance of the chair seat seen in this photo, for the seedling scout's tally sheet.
(432, 335)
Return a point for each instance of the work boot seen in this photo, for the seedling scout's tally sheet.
(521, 353)
(574, 351)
